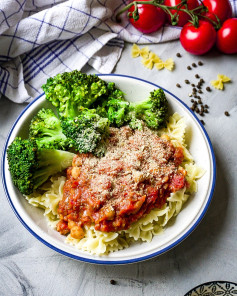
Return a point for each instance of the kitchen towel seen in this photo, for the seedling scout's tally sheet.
(40, 38)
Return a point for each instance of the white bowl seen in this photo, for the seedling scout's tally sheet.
(187, 220)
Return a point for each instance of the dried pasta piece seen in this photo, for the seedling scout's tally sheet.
(136, 51)
(154, 57)
(168, 64)
(223, 77)
(219, 83)
(151, 60)
(148, 63)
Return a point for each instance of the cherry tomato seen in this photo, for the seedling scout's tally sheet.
(151, 18)
(221, 8)
(227, 36)
(198, 40)
(183, 16)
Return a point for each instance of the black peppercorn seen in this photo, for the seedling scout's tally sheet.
(200, 63)
(227, 113)
(178, 85)
(189, 68)
(208, 88)
(178, 55)
(112, 282)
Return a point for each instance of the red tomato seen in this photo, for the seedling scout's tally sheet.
(198, 40)
(227, 36)
(221, 8)
(151, 18)
(183, 16)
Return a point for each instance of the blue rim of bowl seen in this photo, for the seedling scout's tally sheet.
(185, 235)
(209, 283)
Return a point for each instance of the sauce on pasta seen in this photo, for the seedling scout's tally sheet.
(138, 173)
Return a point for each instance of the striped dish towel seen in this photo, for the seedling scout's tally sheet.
(40, 38)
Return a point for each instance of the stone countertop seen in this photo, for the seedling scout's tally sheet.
(27, 267)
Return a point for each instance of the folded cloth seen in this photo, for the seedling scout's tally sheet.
(41, 38)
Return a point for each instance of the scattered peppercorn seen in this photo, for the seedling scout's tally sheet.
(194, 89)
(199, 101)
(187, 81)
(205, 110)
(202, 122)
(201, 113)
(202, 80)
(193, 85)
(227, 113)
(200, 91)
(189, 68)
(112, 282)
(197, 76)
(197, 110)
(206, 106)
(190, 95)
(194, 65)
(199, 86)
(208, 88)
(178, 55)
(200, 63)
(178, 85)
(192, 101)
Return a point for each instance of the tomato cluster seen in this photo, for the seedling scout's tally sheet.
(199, 21)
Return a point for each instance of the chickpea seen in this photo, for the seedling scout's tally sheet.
(76, 172)
(165, 137)
(77, 232)
(71, 224)
(182, 171)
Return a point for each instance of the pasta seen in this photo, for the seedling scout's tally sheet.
(102, 243)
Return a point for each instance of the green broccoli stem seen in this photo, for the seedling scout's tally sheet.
(51, 162)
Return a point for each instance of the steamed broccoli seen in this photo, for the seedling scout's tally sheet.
(87, 131)
(46, 130)
(115, 110)
(30, 167)
(153, 111)
(71, 90)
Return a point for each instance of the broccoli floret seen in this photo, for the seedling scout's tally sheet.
(71, 90)
(30, 167)
(115, 110)
(87, 132)
(114, 92)
(153, 111)
(46, 130)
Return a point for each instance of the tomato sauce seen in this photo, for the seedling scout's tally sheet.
(137, 174)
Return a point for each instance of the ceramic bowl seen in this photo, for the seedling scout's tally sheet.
(187, 220)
